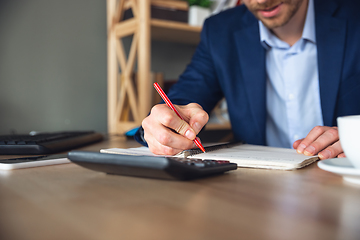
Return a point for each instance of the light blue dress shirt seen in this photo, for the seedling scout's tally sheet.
(293, 98)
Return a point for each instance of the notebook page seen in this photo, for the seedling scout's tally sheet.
(246, 155)
(138, 151)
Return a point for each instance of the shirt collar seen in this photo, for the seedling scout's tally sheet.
(268, 39)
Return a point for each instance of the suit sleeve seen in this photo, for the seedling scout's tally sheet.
(199, 82)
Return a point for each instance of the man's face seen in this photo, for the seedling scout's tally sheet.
(273, 13)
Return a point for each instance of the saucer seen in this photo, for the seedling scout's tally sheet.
(343, 167)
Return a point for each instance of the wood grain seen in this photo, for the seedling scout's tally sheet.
(70, 202)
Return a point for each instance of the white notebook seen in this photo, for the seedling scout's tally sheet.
(244, 155)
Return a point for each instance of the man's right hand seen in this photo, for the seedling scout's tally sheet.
(167, 134)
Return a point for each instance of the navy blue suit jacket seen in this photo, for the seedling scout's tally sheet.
(230, 62)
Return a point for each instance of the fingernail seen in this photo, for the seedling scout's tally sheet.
(301, 148)
(190, 134)
(310, 150)
(325, 154)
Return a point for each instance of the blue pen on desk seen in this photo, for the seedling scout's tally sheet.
(169, 103)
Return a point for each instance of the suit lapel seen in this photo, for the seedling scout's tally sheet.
(330, 38)
(252, 65)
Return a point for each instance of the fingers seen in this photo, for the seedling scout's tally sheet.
(167, 134)
(178, 125)
(168, 143)
(297, 143)
(158, 134)
(169, 119)
(331, 152)
(321, 140)
(194, 114)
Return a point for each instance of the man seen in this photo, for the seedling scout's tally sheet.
(287, 68)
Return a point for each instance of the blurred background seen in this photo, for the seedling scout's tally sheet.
(53, 65)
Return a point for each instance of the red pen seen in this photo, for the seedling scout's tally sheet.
(169, 103)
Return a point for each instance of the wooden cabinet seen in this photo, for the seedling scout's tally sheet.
(129, 97)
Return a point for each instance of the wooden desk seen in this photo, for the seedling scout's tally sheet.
(71, 202)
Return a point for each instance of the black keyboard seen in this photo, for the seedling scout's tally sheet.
(46, 143)
(149, 166)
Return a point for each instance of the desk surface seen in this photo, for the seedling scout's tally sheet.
(70, 202)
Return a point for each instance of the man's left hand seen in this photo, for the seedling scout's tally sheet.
(323, 141)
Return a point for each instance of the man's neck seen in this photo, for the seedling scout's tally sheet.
(292, 31)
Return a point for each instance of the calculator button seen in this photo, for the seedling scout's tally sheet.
(199, 164)
(196, 163)
(210, 163)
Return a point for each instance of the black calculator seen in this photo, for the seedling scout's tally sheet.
(161, 167)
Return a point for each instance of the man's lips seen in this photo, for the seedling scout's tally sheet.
(271, 11)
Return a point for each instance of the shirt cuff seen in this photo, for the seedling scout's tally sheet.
(139, 137)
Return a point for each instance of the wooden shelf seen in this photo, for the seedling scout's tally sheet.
(129, 99)
(162, 30)
(171, 31)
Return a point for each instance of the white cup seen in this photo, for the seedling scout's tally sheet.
(349, 134)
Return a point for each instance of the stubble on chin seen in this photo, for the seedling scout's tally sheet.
(277, 21)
